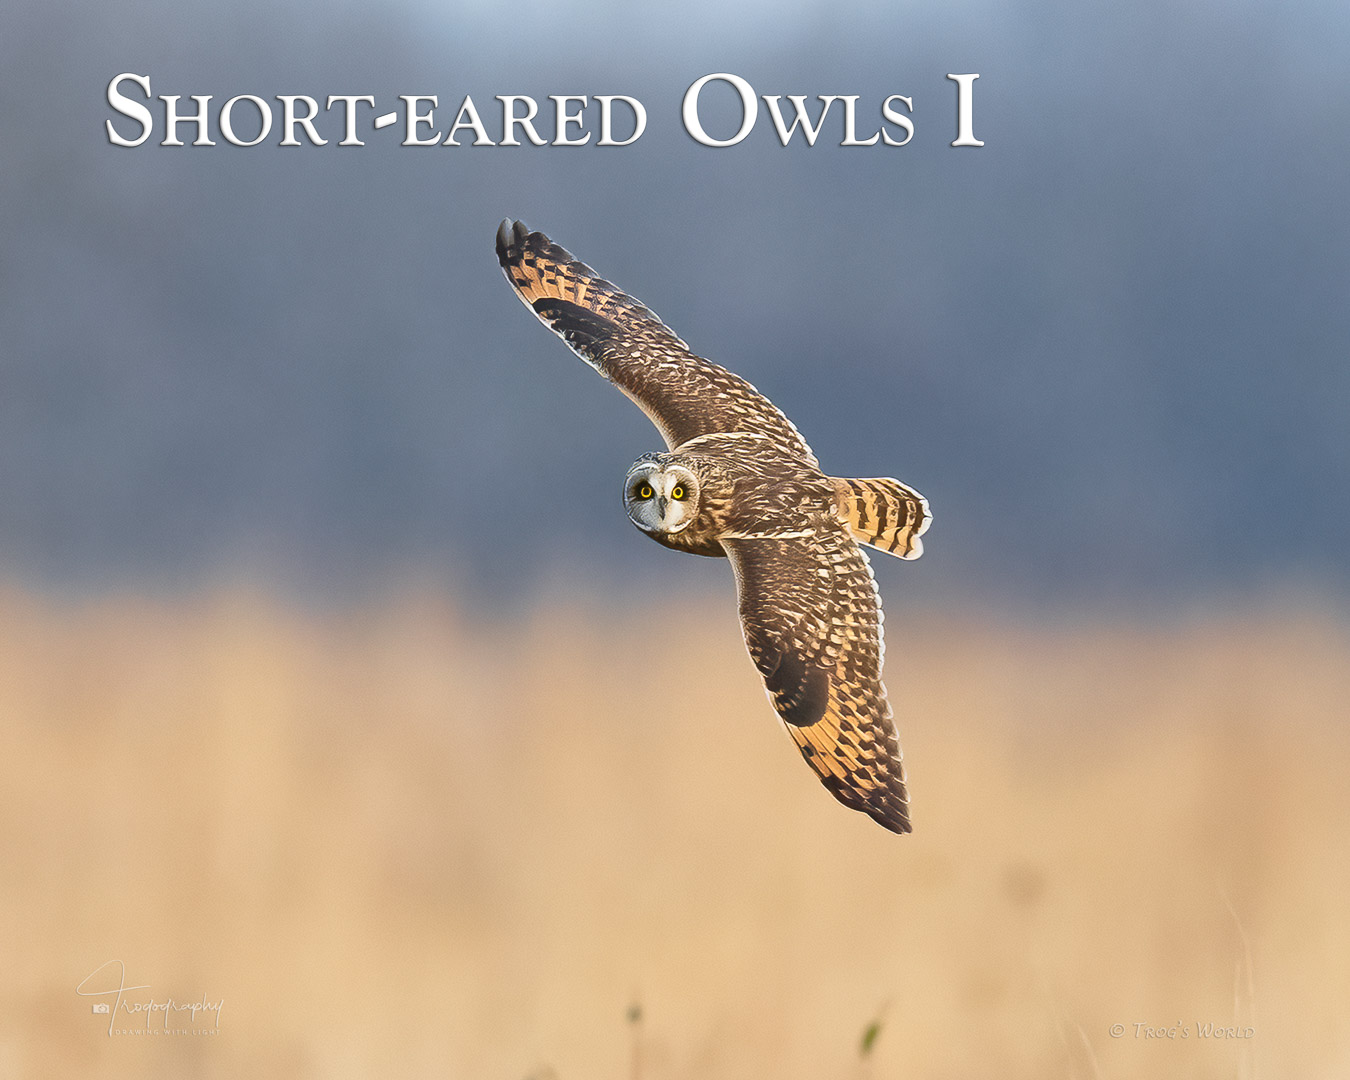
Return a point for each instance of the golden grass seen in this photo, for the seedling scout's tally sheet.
(397, 842)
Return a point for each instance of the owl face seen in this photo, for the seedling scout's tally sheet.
(660, 497)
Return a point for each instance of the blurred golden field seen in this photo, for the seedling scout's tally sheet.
(403, 841)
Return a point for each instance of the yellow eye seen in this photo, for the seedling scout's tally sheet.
(645, 491)
(677, 492)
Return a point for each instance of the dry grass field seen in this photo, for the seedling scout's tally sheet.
(400, 842)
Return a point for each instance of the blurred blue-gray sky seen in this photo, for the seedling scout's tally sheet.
(1112, 345)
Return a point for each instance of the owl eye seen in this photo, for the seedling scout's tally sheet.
(644, 491)
(678, 492)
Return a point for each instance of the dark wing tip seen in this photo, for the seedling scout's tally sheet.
(513, 237)
(895, 818)
(888, 805)
(516, 244)
(891, 810)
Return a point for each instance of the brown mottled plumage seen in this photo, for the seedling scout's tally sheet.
(739, 481)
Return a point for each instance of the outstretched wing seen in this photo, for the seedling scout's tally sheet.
(684, 395)
(812, 622)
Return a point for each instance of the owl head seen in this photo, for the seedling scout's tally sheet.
(660, 495)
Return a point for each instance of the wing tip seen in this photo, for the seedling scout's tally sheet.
(896, 819)
(888, 807)
(512, 237)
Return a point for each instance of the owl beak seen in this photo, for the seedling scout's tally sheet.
(661, 503)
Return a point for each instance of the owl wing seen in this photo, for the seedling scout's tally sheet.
(684, 395)
(812, 622)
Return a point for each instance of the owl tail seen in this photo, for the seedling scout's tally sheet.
(884, 514)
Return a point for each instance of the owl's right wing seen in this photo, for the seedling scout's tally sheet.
(684, 395)
(812, 622)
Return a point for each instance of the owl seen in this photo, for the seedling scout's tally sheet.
(737, 481)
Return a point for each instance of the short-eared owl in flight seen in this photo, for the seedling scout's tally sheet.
(739, 481)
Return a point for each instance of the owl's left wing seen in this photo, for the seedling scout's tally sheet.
(684, 395)
(812, 622)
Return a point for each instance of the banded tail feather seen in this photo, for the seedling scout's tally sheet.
(884, 514)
